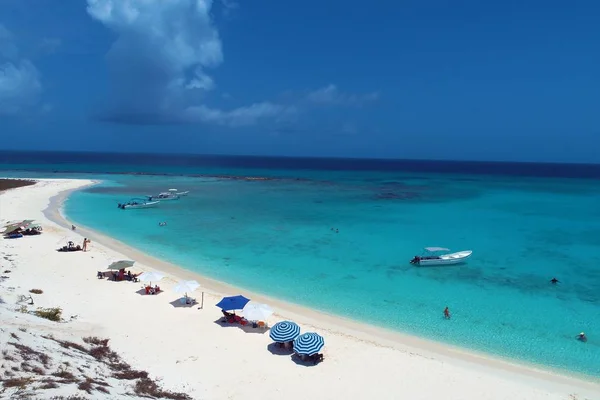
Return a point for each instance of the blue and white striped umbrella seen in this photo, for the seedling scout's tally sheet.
(284, 331)
(308, 343)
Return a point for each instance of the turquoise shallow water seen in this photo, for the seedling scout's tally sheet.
(274, 236)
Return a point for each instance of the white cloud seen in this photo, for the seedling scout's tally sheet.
(20, 85)
(159, 66)
(164, 47)
(242, 116)
(330, 94)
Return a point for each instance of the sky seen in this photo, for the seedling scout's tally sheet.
(473, 80)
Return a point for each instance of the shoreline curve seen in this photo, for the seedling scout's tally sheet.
(324, 321)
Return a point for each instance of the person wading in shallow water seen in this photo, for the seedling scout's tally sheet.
(446, 313)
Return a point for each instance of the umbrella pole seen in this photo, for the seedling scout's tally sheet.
(202, 305)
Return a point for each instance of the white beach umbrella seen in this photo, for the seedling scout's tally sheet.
(253, 311)
(151, 276)
(186, 286)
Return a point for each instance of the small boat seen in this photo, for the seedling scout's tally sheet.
(175, 192)
(138, 203)
(163, 197)
(441, 256)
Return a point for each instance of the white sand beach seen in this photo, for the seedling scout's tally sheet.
(188, 352)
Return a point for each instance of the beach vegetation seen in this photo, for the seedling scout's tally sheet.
(96, 341)
(36, 291)
(52, 314)
(148, 388)
(96, 372)
(20, 382)
(68, 345)
(38, 371)
(130, 374)
(86, 385)
(29, 354)
(65, 375)
(103, 353)
(48, 384)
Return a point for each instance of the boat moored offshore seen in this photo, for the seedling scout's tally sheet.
(175, 192)
(441, 256)
(164, 196)
(138, 203)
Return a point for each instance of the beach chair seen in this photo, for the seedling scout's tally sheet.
(262, 324)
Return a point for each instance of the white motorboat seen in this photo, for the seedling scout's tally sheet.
(174, 191)
(164, 196)
(441, 256)
(138, 203)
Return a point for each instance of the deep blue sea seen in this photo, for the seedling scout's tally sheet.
(266, 224)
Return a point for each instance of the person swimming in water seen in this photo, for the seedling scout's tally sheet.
(446, 313)
(581, 337)
(554, 281)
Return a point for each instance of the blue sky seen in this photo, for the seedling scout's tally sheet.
(511, 80)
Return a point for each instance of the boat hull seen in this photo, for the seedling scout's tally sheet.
(156, 198)
(145, 205)
(445, 259)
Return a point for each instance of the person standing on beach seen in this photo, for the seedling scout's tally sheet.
(85, 243)
(446, 313)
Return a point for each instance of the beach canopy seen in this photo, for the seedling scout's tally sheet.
(122, 264)
(151, 276)
(308, 344)
(254, 311)
(284, 331)
(186, 286)
(17, 225)
(233, 303)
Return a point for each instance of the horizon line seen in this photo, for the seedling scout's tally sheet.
(306, 157)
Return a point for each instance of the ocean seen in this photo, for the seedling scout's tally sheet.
(337, 235)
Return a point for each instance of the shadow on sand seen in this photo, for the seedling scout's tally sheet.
(308, 363)
(177, 304)
(275, 349)
(246, 328)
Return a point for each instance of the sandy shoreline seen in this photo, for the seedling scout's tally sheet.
(357, 355)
